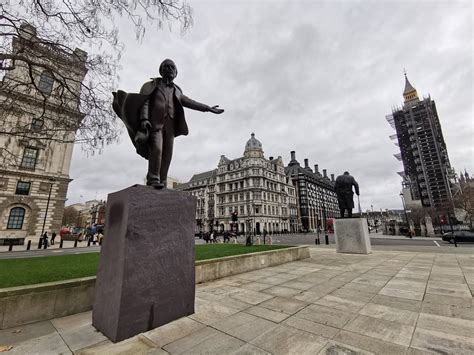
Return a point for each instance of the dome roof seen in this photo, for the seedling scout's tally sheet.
(253, 143)
(253, 147)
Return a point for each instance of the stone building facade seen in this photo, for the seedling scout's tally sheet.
(34, 182)
(316, 197)
(202, 186)
(253, 187)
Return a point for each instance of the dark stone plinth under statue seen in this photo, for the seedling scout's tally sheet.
(146, 275)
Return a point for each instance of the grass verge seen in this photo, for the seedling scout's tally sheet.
(28, 271)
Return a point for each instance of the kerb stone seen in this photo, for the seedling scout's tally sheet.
(352, 236)
(146, 275)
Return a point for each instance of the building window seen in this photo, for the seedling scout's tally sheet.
(46, 82)
(22, 188)
(15, 219)
(29, 158)
(36, 124)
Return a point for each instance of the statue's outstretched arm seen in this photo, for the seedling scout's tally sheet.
(194, 105)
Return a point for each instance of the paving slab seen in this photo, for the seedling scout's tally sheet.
(454, 326)
(282, 291)
(299, 285)
(190, 341)
(26, 332)
(336, 348)
(173, 331)
(81, 337)
(288, 340)
(381, 329)
(326, 315)
(311, 327)
(284, 305)
(267, 314)
(370, 344)
(73, 321)
(396, 292)
(452, 300)
(48, 344)
(442, 343)
(341, 303)
(133, 346)
(447, 310)
(249, 349)
(391, 314)
(255, 286)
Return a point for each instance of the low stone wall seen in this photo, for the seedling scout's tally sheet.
(34, 303)
(211, 269)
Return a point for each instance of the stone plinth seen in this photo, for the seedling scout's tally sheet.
(352, 236)
(146, 274)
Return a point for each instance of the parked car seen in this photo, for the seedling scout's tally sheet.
(459, 236)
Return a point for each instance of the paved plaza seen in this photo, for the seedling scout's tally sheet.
(383, 303)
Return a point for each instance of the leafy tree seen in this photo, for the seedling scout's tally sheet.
(62, 26)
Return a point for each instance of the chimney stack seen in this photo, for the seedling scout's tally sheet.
(306, 163)
(332, 177)
(293, 155)
(316, 168)
(325, 173)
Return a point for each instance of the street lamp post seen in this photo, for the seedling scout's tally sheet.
(51, 181)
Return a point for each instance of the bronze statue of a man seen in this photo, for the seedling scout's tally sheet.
(154, 117)
(345, 194)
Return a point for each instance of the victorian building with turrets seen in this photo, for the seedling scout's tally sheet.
(249, 194)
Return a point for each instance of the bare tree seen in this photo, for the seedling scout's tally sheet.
(31, 29)
(463, 199)
(70, 216)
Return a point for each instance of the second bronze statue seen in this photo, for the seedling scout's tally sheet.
(154, 117)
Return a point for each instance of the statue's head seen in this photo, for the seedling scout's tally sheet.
(168, 69)
(346, 173)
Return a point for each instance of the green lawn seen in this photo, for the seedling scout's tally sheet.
(28, 271)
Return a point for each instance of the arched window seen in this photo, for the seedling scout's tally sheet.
(15, 219)
(46, 82)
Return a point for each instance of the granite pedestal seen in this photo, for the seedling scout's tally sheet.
(146, 274)
(352, 236)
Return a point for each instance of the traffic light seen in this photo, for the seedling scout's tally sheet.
(442, 220)
(234, 216)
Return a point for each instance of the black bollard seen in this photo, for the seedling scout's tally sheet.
(40, 243)
(455, 244)
(28, 246)
(10, 247)
(60, 244)
(75, 243)
(327, 239)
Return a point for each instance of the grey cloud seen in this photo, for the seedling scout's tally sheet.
(315, 77)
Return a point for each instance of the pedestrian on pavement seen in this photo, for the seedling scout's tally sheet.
(53, 236)
(45, 240)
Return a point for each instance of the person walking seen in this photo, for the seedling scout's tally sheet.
(45, 240)
(53, 236)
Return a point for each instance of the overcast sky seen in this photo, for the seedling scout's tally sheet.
(314, 77)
